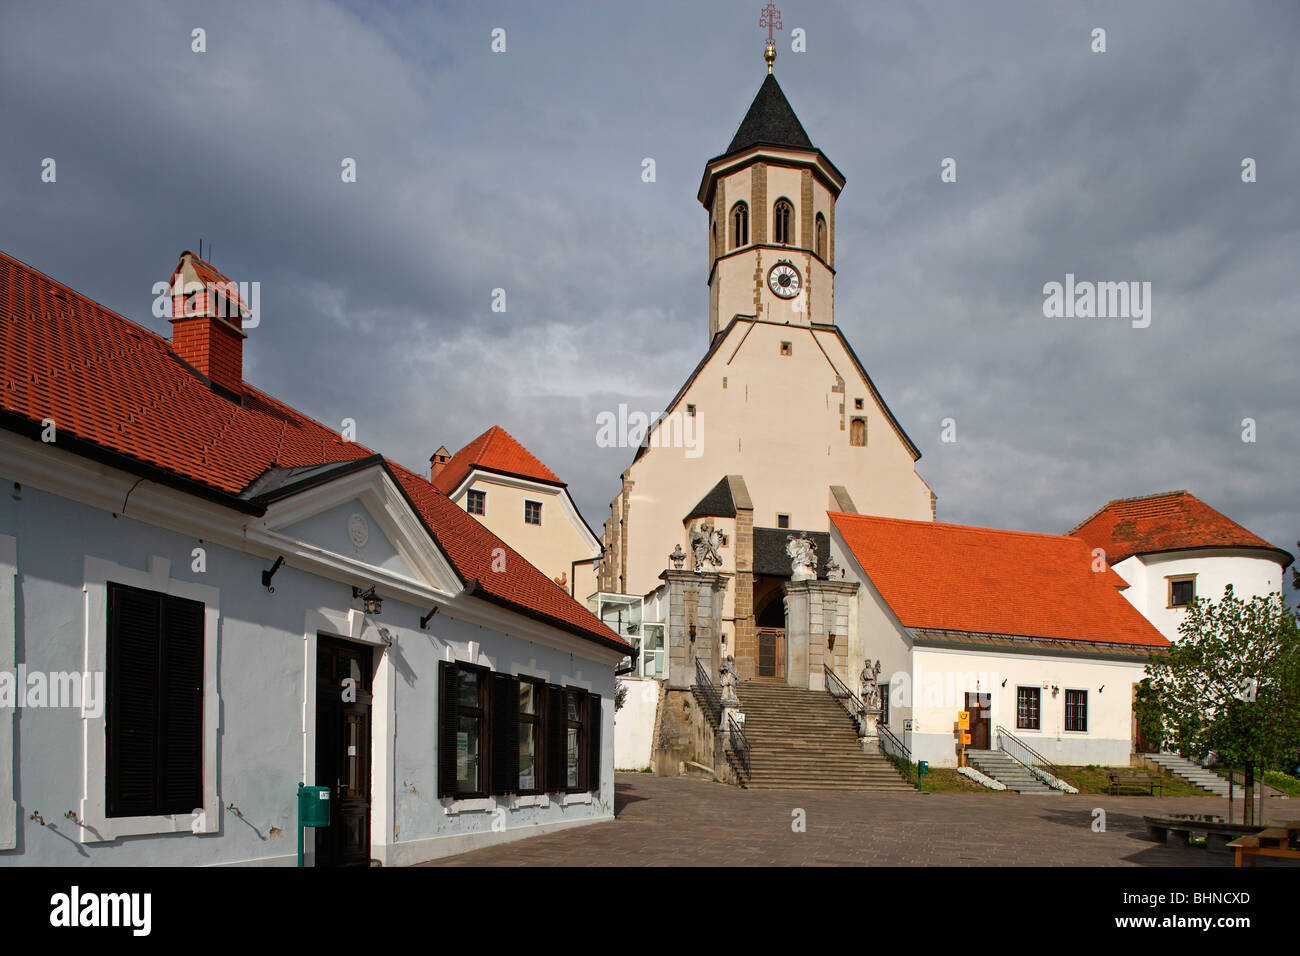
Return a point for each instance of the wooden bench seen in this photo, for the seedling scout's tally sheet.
(1281, 842)
(1150, 781)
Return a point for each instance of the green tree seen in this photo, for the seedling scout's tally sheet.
(1231, 685)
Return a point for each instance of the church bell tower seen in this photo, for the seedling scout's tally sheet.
(771, 204)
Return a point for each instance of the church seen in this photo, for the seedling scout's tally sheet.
(800, 617)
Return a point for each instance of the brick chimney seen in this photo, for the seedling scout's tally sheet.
(206, 322)
(438, 461)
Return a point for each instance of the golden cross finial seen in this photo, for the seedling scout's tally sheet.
(770, 17)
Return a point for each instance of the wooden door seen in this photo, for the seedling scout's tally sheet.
(981, 715)
(343, 686)
(771, 653)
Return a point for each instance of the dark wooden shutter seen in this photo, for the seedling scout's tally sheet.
(593, 742)
(556, 724)
(180, 723)
(132, 728)
(448, 687)
(505, 734)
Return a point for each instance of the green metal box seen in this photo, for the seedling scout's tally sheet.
(313, 806)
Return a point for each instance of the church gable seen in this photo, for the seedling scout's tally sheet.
(810, 366)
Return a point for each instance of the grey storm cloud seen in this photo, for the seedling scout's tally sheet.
(522, 171)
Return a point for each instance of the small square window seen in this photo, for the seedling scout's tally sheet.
(690, 411)
(1182, 591)
(857, 404)
(476, 503)
(783, 521)
(787, 348)
(532, 512)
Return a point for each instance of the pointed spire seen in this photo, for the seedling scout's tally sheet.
(770, 121)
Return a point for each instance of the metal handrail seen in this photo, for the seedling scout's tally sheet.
(708, 692)
(738, 743)
(837, 689)
(891, 746)
(1032, 758)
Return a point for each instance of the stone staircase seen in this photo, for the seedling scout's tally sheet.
(1191, 771)
(1008, 772)
(803, 740)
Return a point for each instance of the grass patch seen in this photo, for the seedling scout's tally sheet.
(1283, 781)
(939, 779)
(1096, 780)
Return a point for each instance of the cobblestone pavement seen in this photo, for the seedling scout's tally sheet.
(680, 821)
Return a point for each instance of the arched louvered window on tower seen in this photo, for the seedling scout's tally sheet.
(783, 222)
(820, 235)
(739, 225)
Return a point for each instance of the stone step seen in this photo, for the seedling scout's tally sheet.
(804, 739)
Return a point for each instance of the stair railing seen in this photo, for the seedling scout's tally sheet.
(738, 743)
(710, 693)
(847, 699)
(891, 746)
(1025, 755)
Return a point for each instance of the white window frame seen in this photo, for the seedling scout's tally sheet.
(540, 513)
(96, 825)
(477, 491)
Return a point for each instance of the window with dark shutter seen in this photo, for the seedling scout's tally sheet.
(505, 734)
(154, 732)
(448, 738)
(531, 746)
(575, 714)
(593, 742)
(555, 734)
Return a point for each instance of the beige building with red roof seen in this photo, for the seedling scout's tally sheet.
(511, 493)
(1171, 548)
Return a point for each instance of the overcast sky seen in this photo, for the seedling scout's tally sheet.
(522, 170)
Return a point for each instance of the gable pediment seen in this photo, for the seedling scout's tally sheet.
(357, 525)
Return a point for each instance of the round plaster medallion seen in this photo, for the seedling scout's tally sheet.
(358, 531)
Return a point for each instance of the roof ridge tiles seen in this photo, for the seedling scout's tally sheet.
(947, 524)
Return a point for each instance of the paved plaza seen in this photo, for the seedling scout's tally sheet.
(679, 821)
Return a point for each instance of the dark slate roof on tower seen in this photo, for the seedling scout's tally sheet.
(770, 121)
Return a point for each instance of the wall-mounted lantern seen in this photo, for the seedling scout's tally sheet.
(373, 602)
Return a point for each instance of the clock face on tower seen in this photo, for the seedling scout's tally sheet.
(784, 280)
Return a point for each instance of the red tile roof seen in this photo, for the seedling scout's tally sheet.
(496, 450)
(122, 389)
(1172, 521)
(956, 578)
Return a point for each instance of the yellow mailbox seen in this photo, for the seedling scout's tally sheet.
(965, 737)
